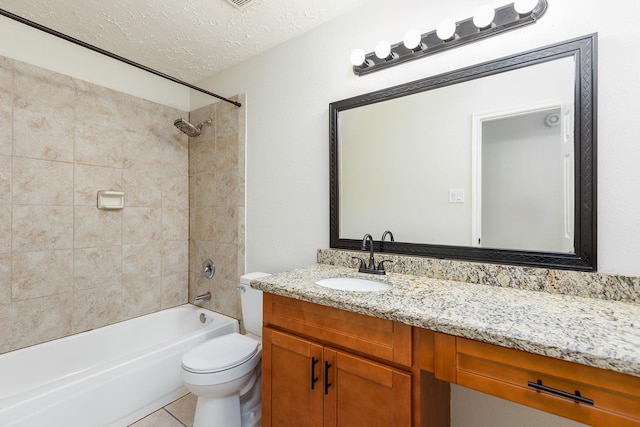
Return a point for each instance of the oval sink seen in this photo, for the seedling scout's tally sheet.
(353, 284)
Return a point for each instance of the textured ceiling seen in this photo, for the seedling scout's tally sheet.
(186, 39)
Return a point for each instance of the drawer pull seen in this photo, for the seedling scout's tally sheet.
(577, 397)
(327, 384)
(314, 379)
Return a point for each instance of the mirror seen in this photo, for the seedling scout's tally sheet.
(493, 163)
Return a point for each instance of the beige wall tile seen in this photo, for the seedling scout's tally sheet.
(142, 262)
(227, 298)
(6, 129)
(41, 182)
(5, 281)
(227, 152)
(94, 227)
(5, 328)
(41, 228)
(99, 145)
(31, 274)
(141, 296)
(175, 289)
(226, 118)
(88, 180)
(42, 135)
(142, 188)
(228, 189)
(142, 152)
(225, 229)
(175, 257)
(201, 114)
(203, 153)
(5, 229)
(40, 90)
(6, 81)
(86, 267)
(97, 267)
(41, 319)
(175, 153)
(204, 223)
(99, 106)
(206, 190)
(226, 259)
(175, 223)
(175, 190)
(5, 180)
(96, 307)
(141, 225)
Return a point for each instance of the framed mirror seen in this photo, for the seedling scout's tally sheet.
(493, 163)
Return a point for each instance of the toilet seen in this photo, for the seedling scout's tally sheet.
(225, 372)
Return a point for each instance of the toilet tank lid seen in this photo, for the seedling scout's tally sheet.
(246, 278)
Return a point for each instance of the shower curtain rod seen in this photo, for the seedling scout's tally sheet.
(111, 55)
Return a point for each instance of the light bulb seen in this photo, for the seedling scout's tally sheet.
(412, 39)
(446, 29)
(383, 49)
(483, 16)
(525, 7)
(357, 57)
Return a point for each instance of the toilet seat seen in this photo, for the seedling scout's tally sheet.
(220, 354)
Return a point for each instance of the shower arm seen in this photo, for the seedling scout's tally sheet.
(111, 55)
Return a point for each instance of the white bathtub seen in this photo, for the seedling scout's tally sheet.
(111, 376)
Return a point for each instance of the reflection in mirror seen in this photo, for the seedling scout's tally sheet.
(491, 163)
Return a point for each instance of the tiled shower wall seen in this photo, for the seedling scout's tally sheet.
(66, 266)
(216, 176)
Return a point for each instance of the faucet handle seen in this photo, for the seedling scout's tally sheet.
(363, 264)
(381, 265)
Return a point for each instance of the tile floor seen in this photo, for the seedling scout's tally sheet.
(176, 414)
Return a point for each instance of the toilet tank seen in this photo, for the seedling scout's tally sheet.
(251, 302)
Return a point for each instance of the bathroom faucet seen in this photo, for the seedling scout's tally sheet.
(371, 268)
(385, 234)
(204, 297)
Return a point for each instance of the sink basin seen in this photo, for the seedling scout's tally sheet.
(353, 284)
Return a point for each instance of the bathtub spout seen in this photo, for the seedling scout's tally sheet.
(204, 297)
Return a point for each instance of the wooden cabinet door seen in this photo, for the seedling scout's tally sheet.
(364, 393)
(288, 397)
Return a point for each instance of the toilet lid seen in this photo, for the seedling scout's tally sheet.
(220, 353)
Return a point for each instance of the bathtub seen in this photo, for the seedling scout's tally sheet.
(111, 376)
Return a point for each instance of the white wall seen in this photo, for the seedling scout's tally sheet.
(26, 44)
(289, 88)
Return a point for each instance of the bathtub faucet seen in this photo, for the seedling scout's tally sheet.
(204, 297)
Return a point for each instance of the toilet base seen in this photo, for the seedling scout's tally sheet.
(218, 411)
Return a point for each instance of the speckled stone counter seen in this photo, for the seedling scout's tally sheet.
(590, 331)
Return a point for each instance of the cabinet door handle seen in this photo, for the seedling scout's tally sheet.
(577, 396)
(314, 379)
(327, 384)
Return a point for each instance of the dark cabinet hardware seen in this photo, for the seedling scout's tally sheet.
(314, 379)
(577, 396)
(327, 384)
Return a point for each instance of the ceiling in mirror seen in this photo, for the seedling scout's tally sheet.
(494, 162)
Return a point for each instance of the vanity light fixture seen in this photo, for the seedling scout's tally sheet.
(486, 22)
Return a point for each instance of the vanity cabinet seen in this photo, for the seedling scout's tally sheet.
(328, 367)
(589, 395)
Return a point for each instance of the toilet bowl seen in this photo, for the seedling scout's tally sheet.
(225, 372)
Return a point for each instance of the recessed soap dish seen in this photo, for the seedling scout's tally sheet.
(110, 200)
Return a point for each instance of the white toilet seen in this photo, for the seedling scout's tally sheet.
(225, 372)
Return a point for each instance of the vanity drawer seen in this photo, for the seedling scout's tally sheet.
(605, 398)
(374, 338)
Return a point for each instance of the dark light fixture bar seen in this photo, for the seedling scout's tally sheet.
(112, 55)
(449, 35)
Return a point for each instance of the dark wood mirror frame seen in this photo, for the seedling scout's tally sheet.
(583, 50)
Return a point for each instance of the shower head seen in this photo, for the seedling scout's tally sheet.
(190, 129)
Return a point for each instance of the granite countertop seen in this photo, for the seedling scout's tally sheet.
(594, 332)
